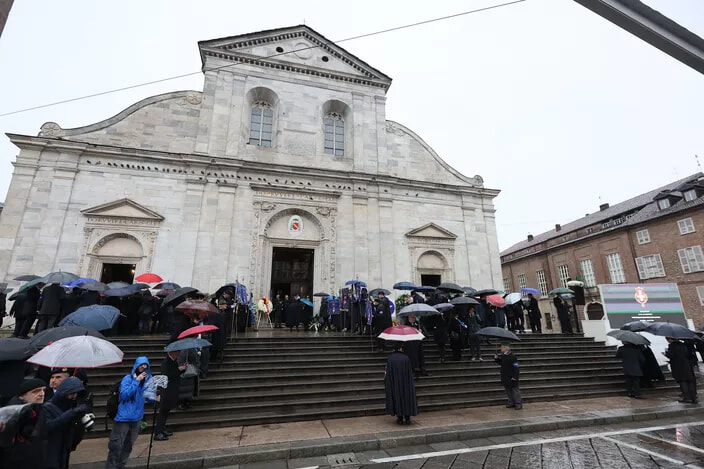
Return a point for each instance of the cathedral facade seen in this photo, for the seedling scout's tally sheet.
(283, 174)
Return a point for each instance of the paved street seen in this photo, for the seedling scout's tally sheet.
(647, 445)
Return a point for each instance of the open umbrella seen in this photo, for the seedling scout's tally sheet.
(418, 309)
(496, 300)
(376, 292)
(148, 278)
(401, 334)
(198, 308)
(197, 330)
(450, 287)
(486, 291)
(424, 289)
(26, 278)
(498, 333)
(444, 306)
(37, 282)
(575, 283)
(307, 302)
(47, 336)
(512, 298)
(12, 348)
(666, 329)
(7, 291)
(167, 286)
(463, 300)
(122, 291)
(635, 326)
(470, 291)
(78, 281)
(355, 282)
(178, 293)
(93, 286)
(404, 286)
(83, 351)
(118, 284)
(560, 291)
(532, 291)
(98, 317)
(60, 277)
(628, 336)
(321, 295)
(186, 344)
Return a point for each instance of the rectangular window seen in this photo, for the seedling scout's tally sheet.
(542, 283)
(686, 226)
(650, 267)
(643, 236)
(700, 292)
(564, 273)
(691, 259)
(507, 285)
(615, 268)
(663, 204)
(605, 225)
(690, 195)
(618, 221)
(521, 281)
(587, 269)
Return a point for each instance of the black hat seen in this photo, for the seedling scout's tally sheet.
(69, 371)
(29, 384)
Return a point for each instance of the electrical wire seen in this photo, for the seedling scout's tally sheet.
(184, 75)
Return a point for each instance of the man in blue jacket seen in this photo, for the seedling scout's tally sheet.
(130, 412)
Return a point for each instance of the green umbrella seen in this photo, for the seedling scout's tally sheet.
(560, 291)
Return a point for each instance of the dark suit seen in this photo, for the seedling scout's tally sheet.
(169, 396)
(681, 364)
(52, 298)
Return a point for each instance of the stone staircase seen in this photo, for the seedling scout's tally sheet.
(300, 376)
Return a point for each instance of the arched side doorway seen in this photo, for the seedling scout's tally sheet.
(116, 257)
(432, 269)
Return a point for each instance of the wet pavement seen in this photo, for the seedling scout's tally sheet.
(646, 445)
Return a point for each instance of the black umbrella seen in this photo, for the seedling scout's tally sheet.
(464, 300)
(177, 294)
(376, 292)
(470, 291)
(450, 287)
(122, 291)
(118, 284)
(321, 295)
(635, 326)
(167, 286)
(227, 286)
(47, 336)
(12, 348)
(498, 333)
(444, 306)
(93, 286)
(666, 329)
(424, 289)
(404, 286)
(26, 278)
(628, 336)
(488, 291)
(135, 287)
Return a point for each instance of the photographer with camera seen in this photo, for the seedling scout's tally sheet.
(130, 412)
(61, 419)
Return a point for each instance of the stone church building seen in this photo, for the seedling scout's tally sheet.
(283, 173)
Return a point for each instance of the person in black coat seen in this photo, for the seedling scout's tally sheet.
(534, 314)
(563, 314)
(651, 368)
(509, 376)
(29, 310)
(440, 326)
(169, 396)
(17, 311)
(89, 298)
(473, 326)
(400, 388)
(681, 365)
(457, 333)
(414, 348)
(293, 313)
(70, 303)
(633, 361)
(23, 447)
(50, 307)
(278, 311)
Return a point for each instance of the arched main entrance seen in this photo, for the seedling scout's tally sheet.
(431, 269)
(116, 257)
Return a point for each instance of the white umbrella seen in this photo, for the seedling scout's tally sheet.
(78, 352)
(513, 298)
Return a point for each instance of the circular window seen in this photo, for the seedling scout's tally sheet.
(279, 49)
(325, 58)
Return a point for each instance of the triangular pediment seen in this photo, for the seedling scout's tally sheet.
(431, 230)
(295, 49)
(123, 208)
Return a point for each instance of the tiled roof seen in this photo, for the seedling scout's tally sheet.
(630, 205)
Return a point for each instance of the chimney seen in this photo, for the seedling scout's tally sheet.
(530, 237)
(557, 227)
(603, 207)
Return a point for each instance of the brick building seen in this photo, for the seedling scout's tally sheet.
(656, 237)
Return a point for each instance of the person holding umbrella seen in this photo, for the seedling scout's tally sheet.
(400, 388)
(473, 326)
(50, 306)
(563, 314)
(534, 314)
(458, 331)
(414, 349)
(169, 396)
(509, 376)
(633, 360)
(681, 365)
(130, 411)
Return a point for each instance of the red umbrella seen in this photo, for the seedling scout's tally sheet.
(401, 334)
(149, 278)
(197, 307)
(496, 300)
(197, 330)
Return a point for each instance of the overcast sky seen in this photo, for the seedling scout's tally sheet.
(547, 101)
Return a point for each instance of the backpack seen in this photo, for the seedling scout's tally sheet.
(113, 402)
